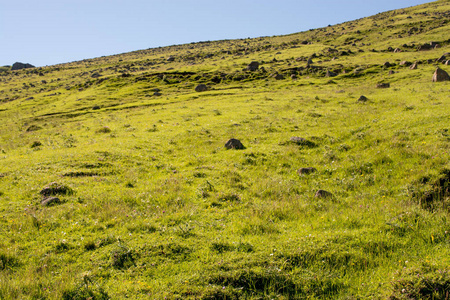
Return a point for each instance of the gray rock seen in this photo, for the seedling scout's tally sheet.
(306, 171)
(413, 66)
(440, 75)
(330, 74)
(234, 144)
(49, 201)
(362, 99)
(278, 76)
(443, 57)
(302, 142)
(201, 88)
(383, 85)
(253, 66)
(55, 188)
(19, 66)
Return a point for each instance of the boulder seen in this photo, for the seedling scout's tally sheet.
(171, 58)
(383, 85)
(49, 201)
(362, 99)
(278, 76)
(234, 144)
(55, 188)
(440, 75)
(19, 66)
(253, 66)
(405, 63)
(413, 66)
(201, 88)
(306, 171)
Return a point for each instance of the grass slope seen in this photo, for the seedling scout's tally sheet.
(152, 205)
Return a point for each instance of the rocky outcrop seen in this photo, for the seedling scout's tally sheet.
(19, 66)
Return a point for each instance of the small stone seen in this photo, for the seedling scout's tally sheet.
(234, 144)
(306, 171)
(383, 85)
(330, 74)
(323, 194)
(201, 88)
(253, 66)
(362, 99)
(302, 141)
(278, 76)
(49, 201)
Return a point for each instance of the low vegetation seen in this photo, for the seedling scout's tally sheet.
(331, 196)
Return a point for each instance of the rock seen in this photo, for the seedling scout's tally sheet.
(447, 63)
(397, 50)
(96, 75)
(201, 88)
(443, 57)
(362, 99)
(383, 85)
(171, 58)
(157, 94)
(33, 128)
(96, 107)
(309, 63)
(306, 171)
(293, 76)
(19, 66)
(302, 142)
(413, 66)
(49, 201)
(253, 66)
(55, 188)
(330, 74)
(234, 144)
(405, 63)
(323, 194)
(440, 75)
(278, 76)
(387, 64)
(391, 72)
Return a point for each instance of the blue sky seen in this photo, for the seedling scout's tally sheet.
(47, 32)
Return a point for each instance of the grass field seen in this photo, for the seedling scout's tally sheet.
(151, 205)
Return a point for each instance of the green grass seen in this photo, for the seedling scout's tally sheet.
(159, 208)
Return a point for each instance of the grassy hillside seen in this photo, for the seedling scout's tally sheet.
(115, 182)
